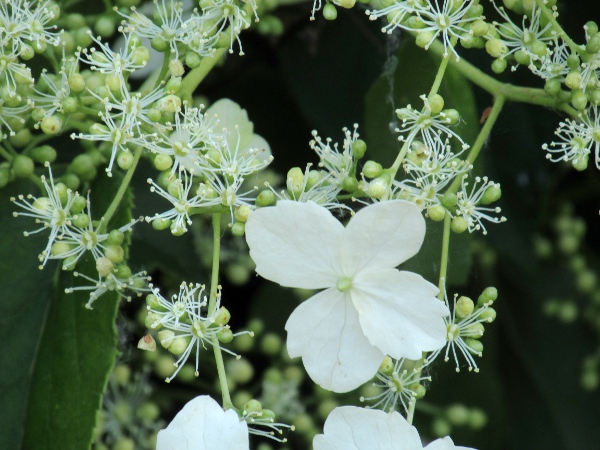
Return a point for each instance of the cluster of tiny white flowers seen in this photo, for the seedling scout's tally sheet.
(431, 129)
(470, 206)
(433, 18)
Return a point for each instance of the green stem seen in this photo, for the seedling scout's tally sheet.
(163, 70)
(508, 91)
(411, 410)
(481, 138)
(36, 141)
(212, 303)
(550, 16)
(119, 195)
(444, 258)
(195, 76)
(440, 75)
(89, 111)
(6, 154)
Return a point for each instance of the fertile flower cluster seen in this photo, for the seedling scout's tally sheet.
(186, 324)
(73, 233)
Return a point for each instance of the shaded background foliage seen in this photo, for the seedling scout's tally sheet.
(327, 75)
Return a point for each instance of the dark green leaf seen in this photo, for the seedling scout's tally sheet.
(76, 352)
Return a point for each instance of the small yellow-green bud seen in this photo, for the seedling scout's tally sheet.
(459, 224)
(436, 213)
(329, 12)
(464, 306)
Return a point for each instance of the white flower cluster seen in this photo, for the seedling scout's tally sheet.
(185, 325)
(211, 156)
(67, 216)
(445, 19)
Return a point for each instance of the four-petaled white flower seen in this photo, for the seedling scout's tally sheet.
(368, 309)
(203, 425)
(353, 428)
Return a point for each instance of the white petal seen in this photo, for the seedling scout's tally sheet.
(231, 115)
(445, 444)
(399, 312)
(325, 332)
(382, 235)
(259, 143)
(203, 425)
(353, 428)
(295, 244)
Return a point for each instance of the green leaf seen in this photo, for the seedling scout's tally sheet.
(77, 350)
(26, 291)
(406, 76)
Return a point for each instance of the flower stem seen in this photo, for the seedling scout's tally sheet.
(163, 70)
(214, 285)
(195, 76)
(444, 258)
(119, 195)
(411, 410)
(440, 75)
(550, 16)
(6, 154)
(481, 138)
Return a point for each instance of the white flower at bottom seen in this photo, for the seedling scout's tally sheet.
(203, 425)
(353, 428)
(368, 308)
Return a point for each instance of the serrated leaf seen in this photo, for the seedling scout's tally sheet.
(77, 350)
(407, 76)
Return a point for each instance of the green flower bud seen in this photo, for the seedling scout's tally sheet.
(83, 166)
(222, 317)
(115, 237)
(377, 188)
(166, 338)
(436, 103)
(271, 344)
(387, 366)
(122, 272)
(225, 335)
(244, 343)
(69, 263)
(459, 224)
(174, 85)
(192, 60)
(81, 220)
(125, 160)
(436, 213)
(115, 253)
(475, 346)
(160, 224)
(451, 115)
(177, 345)
(449, 200)
(27, 52)
(42, 154)
(489, 294)
(479, 28)
(4, 176)
(148, 412)
(105, 26)
(489, 315)
(252, 406)
(169, 103)
(83, 37)
(573, 61)
(241, 213)
(60, 248)
(372, 169)
(553, 87)
(496, 48)
(586, 281)
(573, 79)
(593, 45)
(104, 266)
(441, 427)
(475, 330)
(477, 419)
(539, 48)
(359, 147)
(522, 57)
(579, 100)
(295, 181)
(52, 124)
(458, 414)
(176, 68)
(423, 39)
(23, 166)
(491, 194)
(21, 138)
(329, 12)
(464, 306)
(241, 371)
(350, 184)
(580, 164)
(78, 205)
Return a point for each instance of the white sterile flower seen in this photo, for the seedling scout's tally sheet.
(469, 204)
(368, 308)
(353, 428)
(431, 129)
(203, 425)
(336, 162)
(521, 37)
